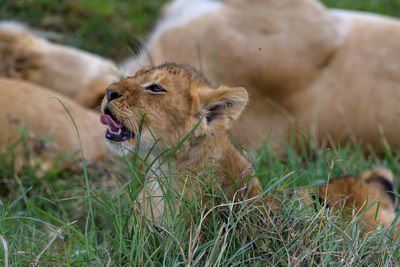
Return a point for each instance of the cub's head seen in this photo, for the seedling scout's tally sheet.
(167, 102)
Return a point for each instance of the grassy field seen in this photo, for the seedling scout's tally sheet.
(64, 216)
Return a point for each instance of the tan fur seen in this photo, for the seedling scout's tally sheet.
(77, 74)
(333, 74)
(187, 102)
(36, 109)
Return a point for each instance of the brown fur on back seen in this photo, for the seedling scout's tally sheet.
(360, 196)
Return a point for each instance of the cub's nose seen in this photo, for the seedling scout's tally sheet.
(111, 95)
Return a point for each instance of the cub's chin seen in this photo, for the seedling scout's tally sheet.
(120, 148)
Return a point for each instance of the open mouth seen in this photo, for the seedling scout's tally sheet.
(116, 131)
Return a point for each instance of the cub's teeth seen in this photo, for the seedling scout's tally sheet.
(116, 133)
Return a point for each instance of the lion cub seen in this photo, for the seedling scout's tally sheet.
(372, 196)
(174, 100)
(173, 103)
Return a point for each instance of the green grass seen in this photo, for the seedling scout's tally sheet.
(95, 214)
(385, 7)
(101, 225)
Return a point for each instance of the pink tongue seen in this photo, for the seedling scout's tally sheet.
(107, 120)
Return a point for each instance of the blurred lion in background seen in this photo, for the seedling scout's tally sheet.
(329, 73)
(326, 74)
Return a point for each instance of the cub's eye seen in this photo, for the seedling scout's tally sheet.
(155, 88)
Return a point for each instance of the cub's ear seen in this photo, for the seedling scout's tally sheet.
(382, 173)
(223, 105)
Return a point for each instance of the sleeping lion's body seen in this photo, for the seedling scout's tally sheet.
(330, 74)
(37, 110)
